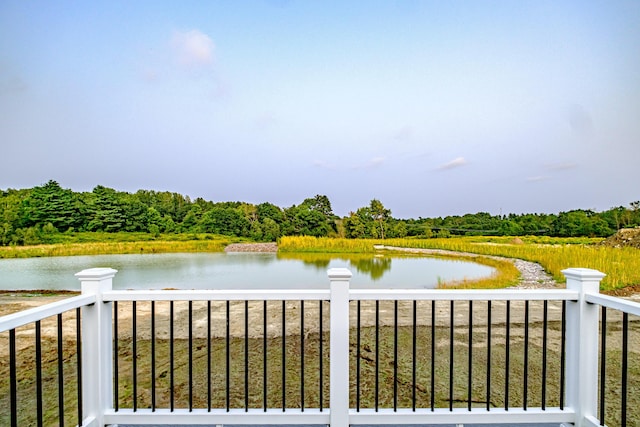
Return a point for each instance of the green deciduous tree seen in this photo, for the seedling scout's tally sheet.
(227, 221)
(380, 215)
(270, 230)
(354, 226)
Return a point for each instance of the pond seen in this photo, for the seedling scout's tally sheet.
(237, 270)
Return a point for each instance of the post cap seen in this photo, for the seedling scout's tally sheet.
(583, 274)
(339, 274)
(96, 274)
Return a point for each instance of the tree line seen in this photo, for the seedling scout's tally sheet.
(38, 214)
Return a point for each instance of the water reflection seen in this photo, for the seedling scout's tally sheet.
(373, 266)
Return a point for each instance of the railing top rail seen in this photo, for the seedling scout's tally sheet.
(25, 317)
(218, 295)
(355, 294)
(615, 303)
(465, 294)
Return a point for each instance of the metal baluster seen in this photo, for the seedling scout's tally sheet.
(190, 356)
(563, 341)
(264, 356)
(321, 359)
(625, 366)
(603, 362)
(171, 358)
(246, 356)
(451, 326)
(488, 355)
(470, 360)
(358, 356)
(116, 382)
(525, 381)
(433, 355)
(134, 357)
(60, 373)
(153, 356)
(377, 377)
(228, 359)
(79, 364)
(13, 383)
(507, 348)
(395, 355)
(284, 356)
(39, 373)
(413, 357)
(209, 373)
(302, 355)
(545, 323)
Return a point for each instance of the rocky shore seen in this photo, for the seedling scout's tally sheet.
(252, 247)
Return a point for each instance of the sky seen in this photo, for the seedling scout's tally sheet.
(435, 108)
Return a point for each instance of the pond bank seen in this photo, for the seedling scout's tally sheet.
(532, 275)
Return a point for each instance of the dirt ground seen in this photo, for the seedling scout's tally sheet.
(625, 237)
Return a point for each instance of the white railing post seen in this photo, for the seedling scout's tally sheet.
(582, 344)
(339, 347)
(96, 345)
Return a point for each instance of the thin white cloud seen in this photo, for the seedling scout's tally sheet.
(193, 48)
(455, 163)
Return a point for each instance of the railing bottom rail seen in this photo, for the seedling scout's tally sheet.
(314, 416)
(462, 416)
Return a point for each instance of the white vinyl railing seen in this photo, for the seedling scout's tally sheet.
(99, 407)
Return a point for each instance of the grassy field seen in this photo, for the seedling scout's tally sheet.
(122, 245)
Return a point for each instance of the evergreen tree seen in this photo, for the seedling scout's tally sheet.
(52, 204)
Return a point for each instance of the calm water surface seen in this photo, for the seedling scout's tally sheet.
(236, 270)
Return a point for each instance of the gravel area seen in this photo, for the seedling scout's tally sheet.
(533, 276)
(252, 247)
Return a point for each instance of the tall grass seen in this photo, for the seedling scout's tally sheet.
(325, 244)
(102, 248)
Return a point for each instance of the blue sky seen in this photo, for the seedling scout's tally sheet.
(433, 107)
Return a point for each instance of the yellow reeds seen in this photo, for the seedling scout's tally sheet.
(101, 248)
